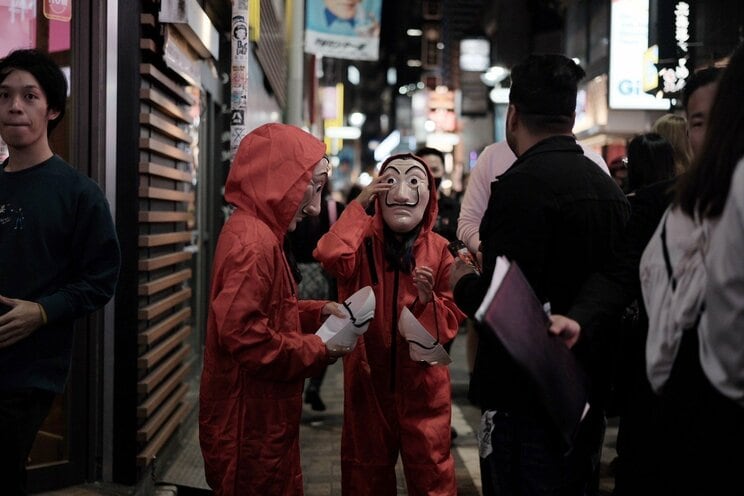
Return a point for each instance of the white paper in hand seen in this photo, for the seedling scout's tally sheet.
(422, 347)
(499, 272)
(343, 331)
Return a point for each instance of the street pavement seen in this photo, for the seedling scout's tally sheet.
(320, 442)
(320, 434)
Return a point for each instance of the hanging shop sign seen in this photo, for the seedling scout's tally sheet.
(672, 31)
(58, 10)
(344, 30)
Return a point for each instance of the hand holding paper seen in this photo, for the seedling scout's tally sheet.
(567, 329)
(515, 315)
(341, 332)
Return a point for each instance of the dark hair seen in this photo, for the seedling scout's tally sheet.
(697, 80)
(47, 73)
(705, 188)
(427, 150)
(353, 192)
(650, 160)
(398, 249)
(543, 90)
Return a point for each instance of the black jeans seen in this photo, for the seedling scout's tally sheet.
(702, 430)
(529, 458)
(21, 415)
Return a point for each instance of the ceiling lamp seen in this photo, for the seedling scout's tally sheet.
(356, 119)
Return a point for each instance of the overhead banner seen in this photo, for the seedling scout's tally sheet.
(344, 29)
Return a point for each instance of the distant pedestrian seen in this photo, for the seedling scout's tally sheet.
(313, 282)
(650, 160)
(449, 207)
(673, 128)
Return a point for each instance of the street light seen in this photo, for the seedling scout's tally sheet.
(494, 75)
(356, 119)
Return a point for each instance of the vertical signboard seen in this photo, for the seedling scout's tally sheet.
(238, 74)
(628, 43)
(17, 26)
(345, 30)
(672, 30)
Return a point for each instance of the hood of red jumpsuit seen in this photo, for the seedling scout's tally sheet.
(432, 209)
(270, 173)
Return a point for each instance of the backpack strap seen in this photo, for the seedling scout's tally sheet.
(371, 260)
(665, 250)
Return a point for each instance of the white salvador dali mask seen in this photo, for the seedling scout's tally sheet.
(404, 205)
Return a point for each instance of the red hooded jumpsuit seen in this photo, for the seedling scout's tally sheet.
(392, 403)
(256, 355)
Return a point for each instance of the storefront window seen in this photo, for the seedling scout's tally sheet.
(44, 25)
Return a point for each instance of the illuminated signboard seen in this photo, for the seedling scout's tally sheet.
(671, 22)
(628, 43)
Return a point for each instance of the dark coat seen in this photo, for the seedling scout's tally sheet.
(557, 215)
(621, 348)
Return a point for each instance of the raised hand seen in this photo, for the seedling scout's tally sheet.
(423, 279)
(368, 194)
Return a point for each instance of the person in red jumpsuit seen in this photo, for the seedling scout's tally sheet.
(256, 355)
(393, 404)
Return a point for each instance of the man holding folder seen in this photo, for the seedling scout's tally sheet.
(557, 215)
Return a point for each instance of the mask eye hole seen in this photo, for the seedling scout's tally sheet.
(391, 180)
(415, 181)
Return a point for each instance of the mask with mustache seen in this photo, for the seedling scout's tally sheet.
(404, 205)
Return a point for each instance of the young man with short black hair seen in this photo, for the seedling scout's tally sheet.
(59, 255)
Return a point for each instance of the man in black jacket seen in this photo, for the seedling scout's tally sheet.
(557, 215)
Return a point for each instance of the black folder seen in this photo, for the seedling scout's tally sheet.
(516, 317)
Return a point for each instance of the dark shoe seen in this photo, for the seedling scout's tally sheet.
(312, 398)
